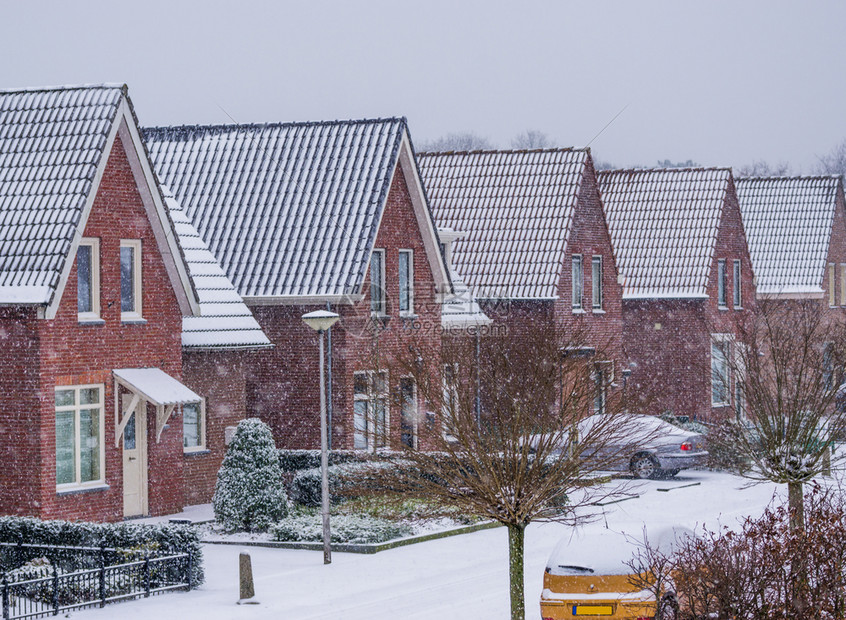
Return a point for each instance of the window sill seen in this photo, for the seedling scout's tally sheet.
(579, 311)
(132, 319)
(408, 315)
(195, 451)
(93, 321)
(720, 405)
(738, 307)
(598, 311)
(75, 489)
(722, 308)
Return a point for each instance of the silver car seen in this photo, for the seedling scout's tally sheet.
(658, 448)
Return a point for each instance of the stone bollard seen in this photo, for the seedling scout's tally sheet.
(245, 576)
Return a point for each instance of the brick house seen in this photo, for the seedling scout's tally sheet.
(796, 228)
(687, 284)
(308, 216)
(93, 290)
(534, 243)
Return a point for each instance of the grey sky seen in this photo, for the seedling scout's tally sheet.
(721, 83)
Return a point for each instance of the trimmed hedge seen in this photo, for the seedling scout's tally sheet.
(345, 529)
(166, 539)
(297, 460)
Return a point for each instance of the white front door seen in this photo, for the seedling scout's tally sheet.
(135, 460)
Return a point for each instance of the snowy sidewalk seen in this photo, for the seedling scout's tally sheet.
(453, 578)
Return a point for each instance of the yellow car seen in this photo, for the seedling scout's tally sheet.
(587, 577)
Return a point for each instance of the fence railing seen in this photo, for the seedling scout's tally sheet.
(41, 580)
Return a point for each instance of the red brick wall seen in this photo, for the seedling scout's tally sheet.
(219, 377)
(19, 403)
(72, 354)
(669, 341)
(283, 383)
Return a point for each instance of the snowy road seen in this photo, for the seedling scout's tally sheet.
(454, 578)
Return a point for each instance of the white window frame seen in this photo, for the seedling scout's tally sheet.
(201, 428)
(409, 282)
(737, 291)
(603, 369)
(832, 281)
(722, 281)
(94, 314)
(722, 342)
(449, 393)
(136, 313)
(578, 282)
(378, 306)
(414, 418)
(596, 273)
(374, 437)
(843, 284)
(75, 408)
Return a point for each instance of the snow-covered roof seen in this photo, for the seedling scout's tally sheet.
(156, 386)
(51, 143)
(290, 210)
(788, 223)
(664, 225)
(224, 320)
(515, 208)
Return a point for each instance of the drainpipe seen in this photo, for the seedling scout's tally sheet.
(329, 383)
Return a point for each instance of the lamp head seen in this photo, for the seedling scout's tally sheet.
(320, 320)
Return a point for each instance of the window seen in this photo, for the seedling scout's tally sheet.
(602, 375)
(79, 432)
(408, 415)
(721, 283)
(828, 366)
(193, 427)
(88, 280)
(450, 404)
(578, 282)
(130, 279)
(736, 290)
(370, 410)
(842, 284)
(596, 281)
(377, 282)
(832, 298)
(720, 374)
(406, 282)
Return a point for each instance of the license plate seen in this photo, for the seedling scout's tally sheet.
(593, 610)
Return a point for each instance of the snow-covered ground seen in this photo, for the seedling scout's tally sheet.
(453, 578)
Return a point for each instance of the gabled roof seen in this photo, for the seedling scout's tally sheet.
(515, 208)
(788, 223)
(54, 144)
(291, 210)
(664, 225)
(224, 320)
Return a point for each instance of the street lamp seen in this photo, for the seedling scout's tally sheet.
(320, 321)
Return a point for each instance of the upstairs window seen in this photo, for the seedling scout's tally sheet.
(578, 282)
(377, 282)
(832, 298)
(406, 281)
(130, 279)
(736, 290)
(88, 280)
(721, 283)
(596, 282)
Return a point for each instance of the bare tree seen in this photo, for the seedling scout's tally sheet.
(532, 139)
(785, 364)
(506, 441)
(833, 162)
(461, 141)
(760, 168)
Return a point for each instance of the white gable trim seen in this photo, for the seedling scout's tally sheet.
(125, 126)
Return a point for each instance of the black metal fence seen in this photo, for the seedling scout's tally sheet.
(41, 580)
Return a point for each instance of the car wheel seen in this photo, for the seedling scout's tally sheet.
(645, 466)
(669, 608)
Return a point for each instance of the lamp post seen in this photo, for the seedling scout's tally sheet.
(320, 321)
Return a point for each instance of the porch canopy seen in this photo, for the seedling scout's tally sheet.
(154, 386)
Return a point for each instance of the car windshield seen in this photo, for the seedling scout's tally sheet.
(566, 569)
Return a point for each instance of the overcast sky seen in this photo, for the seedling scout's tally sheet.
(721, 83)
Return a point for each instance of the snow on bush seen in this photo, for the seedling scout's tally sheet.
(296, 460)
(351, 529)
(249, 494)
